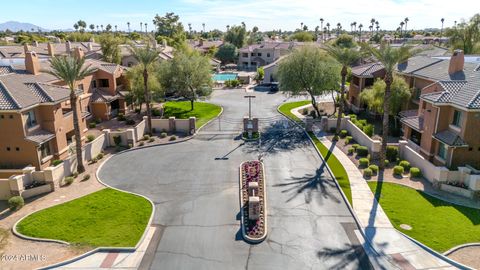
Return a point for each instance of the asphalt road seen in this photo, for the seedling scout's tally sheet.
(194, 186)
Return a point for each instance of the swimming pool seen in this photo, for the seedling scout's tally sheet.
(221, 77)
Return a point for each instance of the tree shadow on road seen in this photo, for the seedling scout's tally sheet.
(278, 136)
(308, 184)
(349, 254)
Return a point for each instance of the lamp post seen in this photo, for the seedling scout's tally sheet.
(250, 105)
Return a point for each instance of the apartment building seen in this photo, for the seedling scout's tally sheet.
(36, 118)
(443, 128)
(257, 55)
(363, 76)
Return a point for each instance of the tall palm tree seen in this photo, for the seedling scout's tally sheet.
(339, 26)
(190, 28)
(301, 26)
(360, 26)
(70, 70)
(377, 26)
(97, 27)
(146, 31)
(401, 28)
(354, 26)
(328, 29)
(141, 27)
(128, 25)
(455, 23)
(228, 27)
(146, 57)
(101, 26)
(441, 30)
(321, 27)
(406, 23)
(390, 57)
(351, 27)
(345, 57)
(203, 25)
(115, 28)
(372, 22)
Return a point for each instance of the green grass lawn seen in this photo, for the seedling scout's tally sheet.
(436, 223)
(105, 218)
(203, 111)
(335, 166)
(287, 107)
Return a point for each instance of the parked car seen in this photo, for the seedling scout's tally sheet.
(271, 86)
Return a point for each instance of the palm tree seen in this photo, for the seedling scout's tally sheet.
(141, 27)
(146, 31)
(355, 26)
(401, 27)
(228, 27)
(97, 27)
(390, 57)
(70, 70)
(115, 28)
(301, 26)
(328, 29)
(101, 26)
(360, 26)
(321, 27)
(455, 23)
(146, 57)
(372, 22)
(203, 25)
(128, 25)
(377, 26)
(345, 57)
(351, 27)
(441, 30)
(406, 22)
(339, 26)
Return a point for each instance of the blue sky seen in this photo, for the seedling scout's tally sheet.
(266, 14)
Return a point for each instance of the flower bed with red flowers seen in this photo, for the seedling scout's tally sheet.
(253, 230)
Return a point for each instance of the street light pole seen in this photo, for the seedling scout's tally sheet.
(250, 106)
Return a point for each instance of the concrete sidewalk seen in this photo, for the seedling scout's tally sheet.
(381, 234)
(114, 259)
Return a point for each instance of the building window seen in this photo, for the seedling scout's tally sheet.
(80, 86)
(8, 148)
(94, 84)
(268, 54)
(31, 120)
(259, 54)
(457, 118)
(442, 150)
(45, 150)
(17, 148)
(244, 54)
(252, 54)
(103, 83)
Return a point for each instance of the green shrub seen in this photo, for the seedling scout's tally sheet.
(130, 122)
(355, 146)
(57, 162)
(415, 172)
(405, 164)
(75, 175)
(335, 138)
(151, 139)
(173, 138)
(351, 150)
(367, 173)
(362, 151)
(117, 140)
(364, 162)
(146, 137)
(368, 130)
(163, 135)
(98, 121)
(141, 144)
(347, 141)
(129, 146)
(156, 112)
(387, 162)
(90, 138)
(68, 180)
(121, 117)
(352, 117)
(363, 122)
(349, 138)
(398, 170)
(374, 168)
(15, 203)
(92, 125)
(392, 153)
(86, 177)
(343, 133)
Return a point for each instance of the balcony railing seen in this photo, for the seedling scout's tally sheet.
(409, 113)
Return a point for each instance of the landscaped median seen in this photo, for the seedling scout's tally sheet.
(334, 164)
(436, 223)
(106, 218)
(202, 111)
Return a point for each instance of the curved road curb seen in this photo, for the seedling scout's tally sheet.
(452, 250)
(112, 249)
(426, 248)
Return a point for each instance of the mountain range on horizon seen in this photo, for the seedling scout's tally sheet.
(20, 26)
